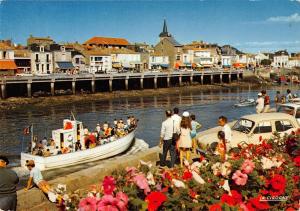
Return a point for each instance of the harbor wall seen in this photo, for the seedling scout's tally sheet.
(35, 200)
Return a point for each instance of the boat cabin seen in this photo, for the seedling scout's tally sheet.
(68, 135)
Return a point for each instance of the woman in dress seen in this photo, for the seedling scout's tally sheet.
(185, 140)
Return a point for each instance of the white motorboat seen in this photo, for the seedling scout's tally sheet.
(245, 102)
(73, 131)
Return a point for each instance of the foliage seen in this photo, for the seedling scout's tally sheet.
(247, 180)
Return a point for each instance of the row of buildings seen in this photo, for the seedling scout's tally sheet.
(43, 55)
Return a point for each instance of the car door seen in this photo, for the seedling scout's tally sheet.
(262, 130)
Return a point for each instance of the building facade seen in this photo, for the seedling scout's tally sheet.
(281, 59)
(41, 59)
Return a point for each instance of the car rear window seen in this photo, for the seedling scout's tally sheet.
(283, 125)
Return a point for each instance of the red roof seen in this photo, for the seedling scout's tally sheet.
(107, 41)
(8, 65)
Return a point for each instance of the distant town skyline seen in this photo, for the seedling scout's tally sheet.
(249, 25)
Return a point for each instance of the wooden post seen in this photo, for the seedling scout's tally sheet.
(111, 84)
(155, 82)
(168, 81)
(142, 82)
(201, 79)
(3, 90)
(93, 85)
(52, 87)
(126, 82)
(29, 88)
(191, 79)
(221, 78)
(211, 79)
(74, 86)
(180, 80)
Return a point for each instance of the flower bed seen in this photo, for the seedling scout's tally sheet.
(255, 177)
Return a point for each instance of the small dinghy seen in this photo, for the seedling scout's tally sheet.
(245, 102)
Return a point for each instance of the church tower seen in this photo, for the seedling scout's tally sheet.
(164, 32)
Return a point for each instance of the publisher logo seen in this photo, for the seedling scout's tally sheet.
(274, 198)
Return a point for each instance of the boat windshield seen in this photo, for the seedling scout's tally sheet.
(243, 125)
(286, 109)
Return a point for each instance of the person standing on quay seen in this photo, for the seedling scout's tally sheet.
(8, 183)
(266, 101)
(185, 140)
(260, 103)
(166, 134)
(226, 129)
(176, 118)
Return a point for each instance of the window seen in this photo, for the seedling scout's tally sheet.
(48, 66)
(42, 67)
(283, 125)
(153, 59)
(37, 67)
(263, 127)
(98, 59)
(92, 58)
(47, 57)
(178, 57)
(36, 57)
(243, 125)
(4, 54)
(42, 49)
(77, 60)
(298, 113)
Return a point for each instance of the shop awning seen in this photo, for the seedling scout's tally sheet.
(8, 65)
(164, 65)
(65, 65)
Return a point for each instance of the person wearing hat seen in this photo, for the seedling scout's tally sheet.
(185, 139)
(8, 182)
(260, 103)
(168, 128)
(36, 178)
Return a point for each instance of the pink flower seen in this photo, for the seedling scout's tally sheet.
(131, 170)
(88, 204)
(240, 178)
(142, 182)
(247, 167)
(110, 203)
(109, 185)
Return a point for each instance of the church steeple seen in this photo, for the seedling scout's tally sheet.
(165, 32)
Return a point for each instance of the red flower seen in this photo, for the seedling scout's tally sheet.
(278, 184)
(167, 175)
(192, 194)
(187, 175)
(215, 207)
(232, 200)
(155, 200)
(297, 161)
(109, 185)
(255, 204)
(296, 179)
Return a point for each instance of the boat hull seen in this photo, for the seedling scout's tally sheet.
(100, 152)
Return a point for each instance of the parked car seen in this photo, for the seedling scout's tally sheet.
(251, 128)
(291, 109)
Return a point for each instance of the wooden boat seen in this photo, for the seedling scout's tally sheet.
(70, 135)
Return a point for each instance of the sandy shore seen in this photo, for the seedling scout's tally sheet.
(16, 102)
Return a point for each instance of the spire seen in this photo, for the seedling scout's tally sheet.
(165, 32)
(165, 29)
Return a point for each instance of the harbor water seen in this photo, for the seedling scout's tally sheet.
(206, 105)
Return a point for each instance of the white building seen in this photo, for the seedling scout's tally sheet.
(127, 60)
(62, 59)
(261, 56)
(204, 58)
(294, 62)
(78, 61)
(100, 63)
(158, 62)
(41, 60)
(226, 61)
(281, 59)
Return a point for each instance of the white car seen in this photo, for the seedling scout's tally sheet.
(252, 128)
(291, 109)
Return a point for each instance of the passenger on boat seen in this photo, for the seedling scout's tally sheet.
(77, 145)
(98, 128)
(36, 178)
(44, 142)
(120, 128)
(65, 150)
(52, 143)
(115, 123)
(47, 153)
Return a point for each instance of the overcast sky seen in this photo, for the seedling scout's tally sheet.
(249, 25)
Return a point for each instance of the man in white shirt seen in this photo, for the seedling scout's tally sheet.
(166, 135)
(260, 103)
(226, 129)
(177, 119)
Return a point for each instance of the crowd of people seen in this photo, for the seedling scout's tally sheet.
(102, 134)
(178, 136)
(263, 100)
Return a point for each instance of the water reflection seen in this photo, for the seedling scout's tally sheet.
(207, 105)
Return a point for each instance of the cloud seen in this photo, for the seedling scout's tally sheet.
(296, 0)
(285, 19)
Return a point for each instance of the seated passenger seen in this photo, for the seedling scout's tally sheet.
(65, 150)
(52, 143)
(47, 153)
(77, 145)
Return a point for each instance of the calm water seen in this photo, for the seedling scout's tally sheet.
(207, 105)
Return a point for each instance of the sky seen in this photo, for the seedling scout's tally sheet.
(249, 25)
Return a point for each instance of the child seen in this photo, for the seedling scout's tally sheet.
(195, 126)
(221, 147)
